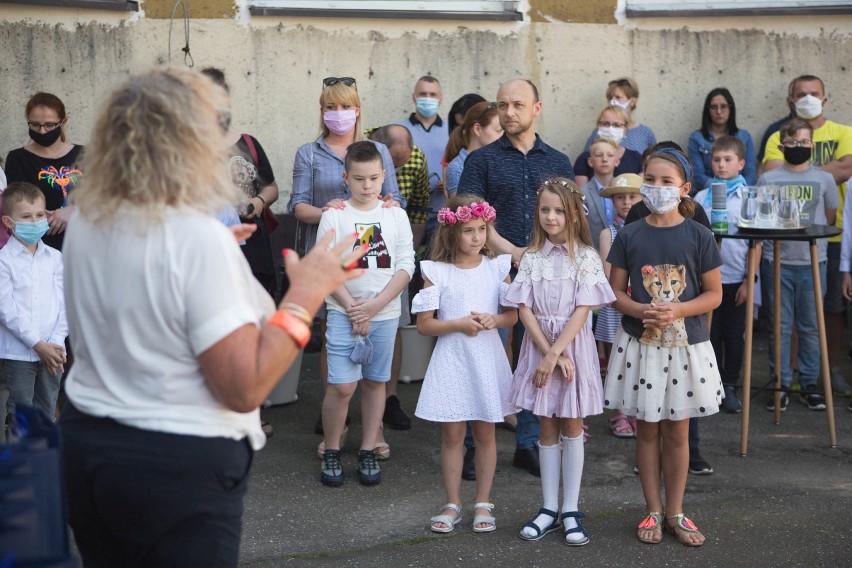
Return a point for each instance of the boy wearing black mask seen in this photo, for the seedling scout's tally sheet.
(818, 199)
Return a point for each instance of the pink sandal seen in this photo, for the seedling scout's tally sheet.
(620, 426)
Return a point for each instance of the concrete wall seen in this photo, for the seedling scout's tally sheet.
(275, 65)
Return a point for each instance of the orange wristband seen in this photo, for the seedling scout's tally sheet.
(295, 328)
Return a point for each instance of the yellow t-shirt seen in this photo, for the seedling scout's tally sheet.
(832, 141)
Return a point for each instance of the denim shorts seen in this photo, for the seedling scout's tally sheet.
(340, 341)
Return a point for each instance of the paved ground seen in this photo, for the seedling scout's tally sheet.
(789, 503)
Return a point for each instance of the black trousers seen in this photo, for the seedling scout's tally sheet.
(143, 498)
(726, 335)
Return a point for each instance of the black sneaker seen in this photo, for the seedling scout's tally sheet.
(394, 416)
(527, 458)
(368, 468)
(731, 403)
(811, 398)
(698, 466)
(469, 467)
(770, 404)
(332, 470)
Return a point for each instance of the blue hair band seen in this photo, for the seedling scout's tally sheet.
(687, 169)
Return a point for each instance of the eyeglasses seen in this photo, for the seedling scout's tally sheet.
(329, 81)
(715, 108)
(48, 126)
(490, 107)
(795, 143)
(604, 124)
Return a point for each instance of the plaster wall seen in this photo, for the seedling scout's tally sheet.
(275, 67)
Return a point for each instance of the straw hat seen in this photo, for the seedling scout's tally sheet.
(625, 183)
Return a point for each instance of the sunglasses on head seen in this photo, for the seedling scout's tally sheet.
(491, 106)
(329, 81)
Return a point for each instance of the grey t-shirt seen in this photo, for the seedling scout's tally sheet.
(817, 192)
(665, 264)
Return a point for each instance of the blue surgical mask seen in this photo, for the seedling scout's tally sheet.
(426, 106)
(30, 232)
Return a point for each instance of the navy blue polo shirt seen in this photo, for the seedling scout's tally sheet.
(509, 180)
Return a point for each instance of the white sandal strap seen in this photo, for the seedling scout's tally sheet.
(452, 507)
(487, 506)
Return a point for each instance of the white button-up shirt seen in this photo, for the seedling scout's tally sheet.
(32, 302)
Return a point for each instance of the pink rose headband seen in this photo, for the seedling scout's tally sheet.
(464, 213)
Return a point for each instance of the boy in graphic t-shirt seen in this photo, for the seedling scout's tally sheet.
(818, 197)
(363, 311)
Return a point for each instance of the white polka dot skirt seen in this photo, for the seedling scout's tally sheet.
(662, 383)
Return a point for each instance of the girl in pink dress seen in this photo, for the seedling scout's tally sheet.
(560, 281)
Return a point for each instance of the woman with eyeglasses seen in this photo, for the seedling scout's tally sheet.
(48, 161)
(318, 182)
(479, 128)
(719, 118)
(612, 124)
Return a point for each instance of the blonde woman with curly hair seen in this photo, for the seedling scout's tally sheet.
(177, 344)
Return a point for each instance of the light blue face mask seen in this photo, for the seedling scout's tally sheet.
(30, 232)
(426, 106)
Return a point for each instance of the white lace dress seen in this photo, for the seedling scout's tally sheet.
(468, 377)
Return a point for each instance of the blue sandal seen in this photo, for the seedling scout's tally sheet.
(540, 533)
(577, 516)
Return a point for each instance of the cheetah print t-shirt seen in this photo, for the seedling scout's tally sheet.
(665, 265)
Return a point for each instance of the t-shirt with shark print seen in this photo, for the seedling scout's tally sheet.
(665, 264)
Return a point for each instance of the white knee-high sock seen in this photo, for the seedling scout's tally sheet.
(573, 455)
(550, 458)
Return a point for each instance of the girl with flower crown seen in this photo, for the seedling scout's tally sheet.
(560, 281)
(469, 375)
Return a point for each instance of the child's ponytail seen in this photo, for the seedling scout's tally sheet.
(686, 207)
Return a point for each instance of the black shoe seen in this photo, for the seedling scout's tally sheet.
(770, 404)
(332, 471)
(469, 468)
(368, 468)
(698, 466)
(731, 403)
(812, 399)
(527, 458)
(394, 416)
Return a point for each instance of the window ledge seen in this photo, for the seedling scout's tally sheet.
(386, 14)
(664, 10)
(114, 5)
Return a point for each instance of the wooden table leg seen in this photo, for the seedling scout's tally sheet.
(776, 306)
(823, 346)
(749, 330)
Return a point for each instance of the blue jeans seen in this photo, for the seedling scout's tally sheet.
(31, 383)
(797, 306)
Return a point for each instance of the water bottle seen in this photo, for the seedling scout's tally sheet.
(719, 208)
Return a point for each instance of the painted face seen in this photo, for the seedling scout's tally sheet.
(720, 111)
(726, 164)
(516, 107)
(490, 132)
(624, 201)
(473, 235)
(365, 182)
(552, 216)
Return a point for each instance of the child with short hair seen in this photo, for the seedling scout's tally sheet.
(468, 378)
(819, 199)
(364, 313)
(32, 303)
(560, 281)
(727, 159)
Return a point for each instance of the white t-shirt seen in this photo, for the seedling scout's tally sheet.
(144, 300)
(388, 233)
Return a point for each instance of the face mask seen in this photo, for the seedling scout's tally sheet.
(625, 105)
(660, 199)
(46, 139)
(339, 122)
(797, 155)
(30, 232)
(612, 133)
(808, 107)
(426, 106)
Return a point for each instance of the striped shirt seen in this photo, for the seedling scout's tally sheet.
(509, 180)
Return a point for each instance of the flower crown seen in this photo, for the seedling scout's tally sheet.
(464, 213)
(571, 187)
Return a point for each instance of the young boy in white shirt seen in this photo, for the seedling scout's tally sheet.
(365, 309)
(32, 305)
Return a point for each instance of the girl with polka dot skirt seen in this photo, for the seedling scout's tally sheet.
(560, 281)
(663, 368)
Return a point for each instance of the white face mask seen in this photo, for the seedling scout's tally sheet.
(612, 133)
(660, 199)
(808, 107)
(625, 105)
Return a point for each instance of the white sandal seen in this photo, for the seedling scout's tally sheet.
(446, 519)
(321, 446)
(484, 519)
